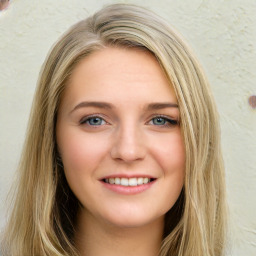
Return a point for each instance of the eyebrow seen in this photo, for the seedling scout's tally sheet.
(105, 105)
(155, 106)
(92, 104)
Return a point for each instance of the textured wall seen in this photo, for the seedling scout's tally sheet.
(223, 35)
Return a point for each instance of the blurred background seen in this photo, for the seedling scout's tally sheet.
(223, 36)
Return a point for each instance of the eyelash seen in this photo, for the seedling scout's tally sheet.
(167, 121)
(88, 118)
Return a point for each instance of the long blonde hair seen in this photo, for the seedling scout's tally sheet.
(44, 210)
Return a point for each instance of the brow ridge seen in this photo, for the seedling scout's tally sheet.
(105, 105)
(162, 105)
(93, 104)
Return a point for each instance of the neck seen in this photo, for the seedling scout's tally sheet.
(101, 239)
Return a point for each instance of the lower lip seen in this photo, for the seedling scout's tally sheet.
(128, 190)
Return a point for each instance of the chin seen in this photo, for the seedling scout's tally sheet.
(132, 219)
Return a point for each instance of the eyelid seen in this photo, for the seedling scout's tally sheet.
(171, 121)
(85, 118)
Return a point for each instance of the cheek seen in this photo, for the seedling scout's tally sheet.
(81, 153)
(170, 153)
(172, 158)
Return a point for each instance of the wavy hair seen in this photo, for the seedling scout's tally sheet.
(44, 208)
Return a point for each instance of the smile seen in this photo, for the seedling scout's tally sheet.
(132, 182)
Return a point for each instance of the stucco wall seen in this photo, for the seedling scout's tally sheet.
(223, 35)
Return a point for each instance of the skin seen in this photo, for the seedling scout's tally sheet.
(4, 5)
(133, 132)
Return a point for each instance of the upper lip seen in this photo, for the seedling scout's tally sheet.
(128, 176)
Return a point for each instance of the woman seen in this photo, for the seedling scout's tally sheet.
(122, 155)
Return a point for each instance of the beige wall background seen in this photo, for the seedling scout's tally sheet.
(223, 35)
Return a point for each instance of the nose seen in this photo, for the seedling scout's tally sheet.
(128, 145)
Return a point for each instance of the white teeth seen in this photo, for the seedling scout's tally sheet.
(128, 181)
(140, 181)
(124, 182)
(145, 180)
(117, 181)
(133, 182)
(111, 180)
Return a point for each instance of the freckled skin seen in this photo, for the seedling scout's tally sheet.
(127, 141)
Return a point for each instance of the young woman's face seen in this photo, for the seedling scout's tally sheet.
(119, 138)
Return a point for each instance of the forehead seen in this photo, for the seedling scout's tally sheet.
(112, 73)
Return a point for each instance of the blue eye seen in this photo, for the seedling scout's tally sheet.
(159, 121)
(94, 121)
(163, 121)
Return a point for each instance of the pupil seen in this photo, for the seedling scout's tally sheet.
(95, 121)
(159, 120)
